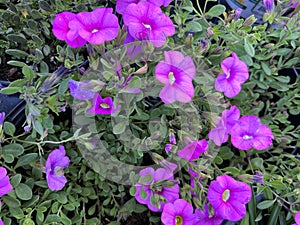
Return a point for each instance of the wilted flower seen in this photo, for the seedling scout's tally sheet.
(179, 212)
(193, 150)
(203, 217)
(158, 189)
(102, 105)
(121, 5)
(220, 133)
(235, 74)
(177, 73)
(146, 21)
(61, 30)
(228, 197)
(5, 186)
(96, 27)
(2, 117)
(248, 133)
(55, 164)
(268, 4)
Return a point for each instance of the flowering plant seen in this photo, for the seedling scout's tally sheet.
(162, 112)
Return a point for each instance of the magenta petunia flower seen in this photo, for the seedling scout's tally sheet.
(179, 212)
(250, 133)
(1, 222)
(297, 218)
(235, 74)
(161, 188)
(193, 150)
(84, 90)
(123, 4)
(61, 30)
(145, 21)
(220, 133)
(228, 197)
(203, 217)
(55, 164)
(96, 27)
(102, 105)
(5, 186)
(177, 73)
(2, 117)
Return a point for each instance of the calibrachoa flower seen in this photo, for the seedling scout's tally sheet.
(250, 133)
(203, 217)
(297, 218)
(1, 222)
(294, 3)
(122, 4)
(158, 190)
(5, 186)
(178, 213)
(235, 74)
(193, 150)
(102, 105)
(268, 4)
(84, 90)
(55, 164)
(228, 197)
(2, 117)
(146, 21)
(61, 30)
(177, 73)
(220, 133)
(97, 26)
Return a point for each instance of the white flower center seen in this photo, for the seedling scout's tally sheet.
(226, 195)
(95, 31)
(104, 106)
(148, 26)
(171, 78)
(247, 137)
(228, 74)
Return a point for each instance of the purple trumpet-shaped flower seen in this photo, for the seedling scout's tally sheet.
(55, 164)
(102, 105)
(235, 74)
(250, 133)
(84, 90)
(220, 133)
(96, 27)
(145, 21)
(268, 4)
(228, 197)
(177, 73)
(178, 213)
(2, 117)
(204, 218)
(123, 4)
(158, 189)
(193, 150)
(5, 186)
(297, 218)
(61, 30)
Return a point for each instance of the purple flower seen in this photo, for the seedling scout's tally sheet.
(172, 138)
(157, 190)
(96, 27)
(294, 3)
(84, 90)
(2, 117)
(297, 218)
(203, 217)
(1, 222)
(268, 4)
(5, 186)
(235, 74)
(179, 212)
(102, 105)
(146, 21)
(61, 30)
(220, 133)
(168, 147)
(122, 4)
(228, 197)
(193, 150)
(177, 73)
(250, 133)
(55, 164)
(237, 13)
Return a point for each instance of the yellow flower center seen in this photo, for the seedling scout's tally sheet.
(178, 220)
(226, 195)
(104, 106)
(171, 78)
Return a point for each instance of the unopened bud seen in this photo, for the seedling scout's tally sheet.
(249, 21)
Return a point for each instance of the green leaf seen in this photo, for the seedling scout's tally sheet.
(266, 68)
(52, 219)
(16, 53)
(132, 190)
(9, 128)
(63, 87)
(274, 215)
(28, 73)
(216, 11)
(19, 38)
(23, 192)
(14, 149)
(26, 159)
(278, 185)
(120, 127)
(266, 204)
(16, 63)
(15, 180)
(28, 221)
(248, 47)
(194, 26)
(10, 201)
(10, 90)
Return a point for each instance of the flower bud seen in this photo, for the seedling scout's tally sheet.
(237, 13)
(268, 4)
(249, 21)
